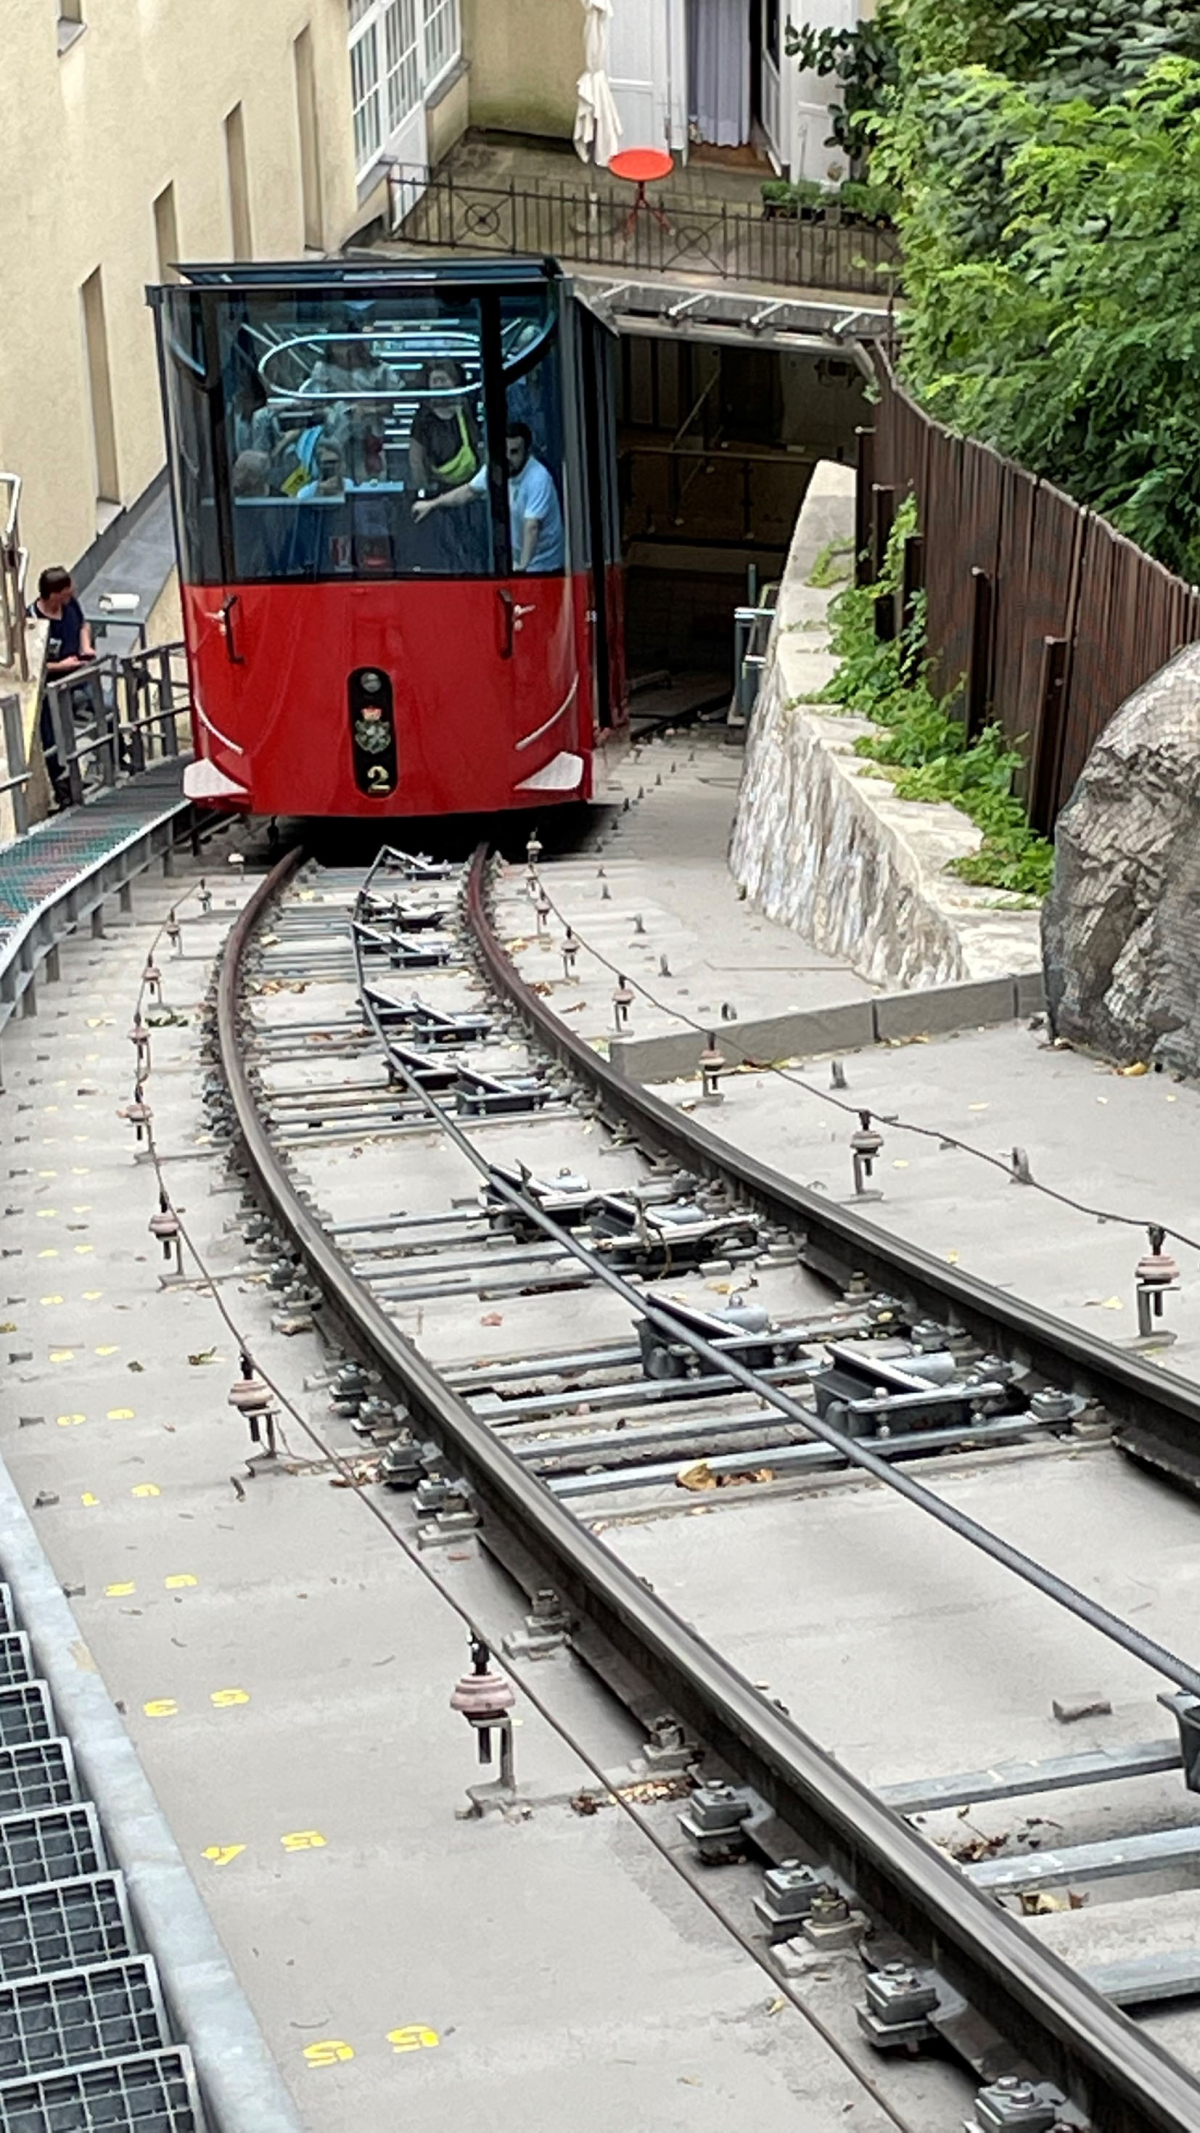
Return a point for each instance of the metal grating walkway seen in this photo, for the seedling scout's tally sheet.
(85, 2042)
(37, 868)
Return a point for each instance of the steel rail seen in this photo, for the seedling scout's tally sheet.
(838, 1241)
(1044, 2010)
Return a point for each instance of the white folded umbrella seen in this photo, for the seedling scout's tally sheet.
(597, 126)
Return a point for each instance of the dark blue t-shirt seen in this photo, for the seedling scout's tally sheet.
(64, 633)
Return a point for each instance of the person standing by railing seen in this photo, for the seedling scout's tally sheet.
(68, 646)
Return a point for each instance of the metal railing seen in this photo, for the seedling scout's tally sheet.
(751, 635)
(109, 721)
(591, 222)
(14, 568)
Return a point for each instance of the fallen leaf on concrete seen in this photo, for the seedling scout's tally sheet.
(699, 1476)
(1130, 1072)
(587, 1803)
(1038, 1903)
(206, 1355)
(9, 1326)
(978, 1848)
(137, 1368)
(492, 1318)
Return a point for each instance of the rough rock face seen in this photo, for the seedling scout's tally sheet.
(1121, 926)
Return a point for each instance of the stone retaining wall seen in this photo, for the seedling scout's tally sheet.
(821, 842)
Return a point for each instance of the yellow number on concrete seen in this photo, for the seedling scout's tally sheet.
(146, 1488)
(163, 1707)
(303, 1840)
(412, 2040)
(181, 1577)
(223, 1698)
(328, 2052)
(119, 1592)
(221, 1854)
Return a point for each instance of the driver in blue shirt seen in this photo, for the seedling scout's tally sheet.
(534, 513)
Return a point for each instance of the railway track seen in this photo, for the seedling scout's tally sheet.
(830, 1345)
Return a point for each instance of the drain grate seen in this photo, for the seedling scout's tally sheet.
(63, 1926)
(39, 1773)
(14, 1658)
(59, 1844)
(73, 2019)
(8, 1618)
(25, 1713)
(155, 2094)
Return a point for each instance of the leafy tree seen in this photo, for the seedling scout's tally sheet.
(1047, 159)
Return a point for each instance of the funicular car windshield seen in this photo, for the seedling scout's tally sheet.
(324, 425)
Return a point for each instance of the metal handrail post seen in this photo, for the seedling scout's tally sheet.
(18, 767)
(166, 697)
(62, 722)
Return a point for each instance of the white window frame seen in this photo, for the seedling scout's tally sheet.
(399, 49)
(442, 38)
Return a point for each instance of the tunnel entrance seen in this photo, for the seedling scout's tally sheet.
(716, 445)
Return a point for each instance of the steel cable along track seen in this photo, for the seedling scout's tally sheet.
(1149, 1406)
(1112, 2071)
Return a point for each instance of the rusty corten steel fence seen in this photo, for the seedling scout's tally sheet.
(1041, 615)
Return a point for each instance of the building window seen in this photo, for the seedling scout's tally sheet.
(442, 37)
(166, 234)
(403, 62)
(70, 23)
(364, 85)
(239, 184)
(104, 429)
(396, 47)
(310, 141)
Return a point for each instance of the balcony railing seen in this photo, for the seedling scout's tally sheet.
(591, 223)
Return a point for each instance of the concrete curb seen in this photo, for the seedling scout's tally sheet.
(936, 1011)
(241, 2086)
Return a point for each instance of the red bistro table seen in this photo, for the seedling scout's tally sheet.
(642, 167)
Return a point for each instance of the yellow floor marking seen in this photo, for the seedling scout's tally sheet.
(181, 1578)
(163, 1707)
(84, 1209)
(119, 1592)
(80, 1170)
(51, 1252)
(146, 1488)
(47, 1173)
(108, 1351)
(50, 1299)
(88, 1499)
(328, 2052)
(92, 1296)
(70, 1421)
(303, 1840)
(120, 1414)
(221, 1854)
(62, 1355)
(49, 1108)
(81, 1248)
(223, 1699)
(412, 2040)
(44, 1213)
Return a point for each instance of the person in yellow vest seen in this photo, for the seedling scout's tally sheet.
(445, 448)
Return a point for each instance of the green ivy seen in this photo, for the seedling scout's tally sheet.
(925, 752)
(834, 562)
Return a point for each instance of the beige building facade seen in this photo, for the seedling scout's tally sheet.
(138, 132)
